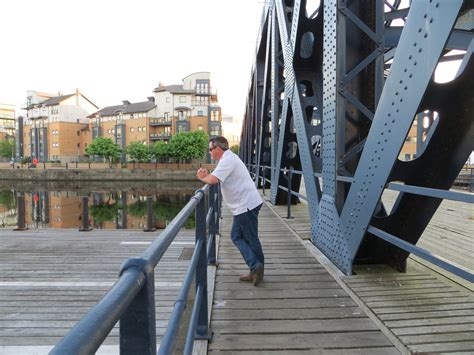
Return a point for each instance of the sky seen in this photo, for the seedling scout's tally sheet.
(114, 50)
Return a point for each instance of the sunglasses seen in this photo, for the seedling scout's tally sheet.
(211, 149)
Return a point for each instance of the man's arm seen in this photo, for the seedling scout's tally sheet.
(204, 176)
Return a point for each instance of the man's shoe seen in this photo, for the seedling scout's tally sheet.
(247, 278)
(258, 275)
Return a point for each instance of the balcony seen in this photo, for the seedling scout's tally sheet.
(160, 136)
(161, 121)
(206, 92)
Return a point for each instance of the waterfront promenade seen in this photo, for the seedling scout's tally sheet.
(50, 278)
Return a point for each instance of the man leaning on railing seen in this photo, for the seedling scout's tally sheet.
(244, 201)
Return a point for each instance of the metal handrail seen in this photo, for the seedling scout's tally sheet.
(394, 240)
(132, 298)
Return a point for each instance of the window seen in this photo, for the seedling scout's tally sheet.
(139, 129)
(166, 115)
(131, 129)
(200, 127)
(200, 113)
(144, 129)
(182, 99)
(214, 115)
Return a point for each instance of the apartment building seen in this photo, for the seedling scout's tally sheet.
(7, 122)
(190, 106)
(55, 127)
(126, 123)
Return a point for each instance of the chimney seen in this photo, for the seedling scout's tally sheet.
(125, 102)
(151, 98)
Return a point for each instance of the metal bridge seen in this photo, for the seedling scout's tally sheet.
(335, 89)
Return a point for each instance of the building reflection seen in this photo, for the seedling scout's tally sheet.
(107, 210)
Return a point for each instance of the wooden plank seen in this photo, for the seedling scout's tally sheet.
(290, 326)
(298, 306)
(43, 278)
(281, 342)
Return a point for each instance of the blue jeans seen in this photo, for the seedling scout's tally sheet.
(244, 234)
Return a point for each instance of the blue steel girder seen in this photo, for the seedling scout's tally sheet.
(422, 41)
(264, 115)
(330, 110)
(297, 154)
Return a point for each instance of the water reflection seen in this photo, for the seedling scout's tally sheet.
(112, 204)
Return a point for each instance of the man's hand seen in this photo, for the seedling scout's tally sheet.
(202, 173)
(204, 176)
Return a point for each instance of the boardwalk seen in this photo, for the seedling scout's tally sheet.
(299, 308)
(51, 278)
(421, 310)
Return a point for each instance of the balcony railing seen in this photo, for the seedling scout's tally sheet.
(158, 136)
(160, 121)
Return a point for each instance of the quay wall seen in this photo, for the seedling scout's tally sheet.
(185, 172)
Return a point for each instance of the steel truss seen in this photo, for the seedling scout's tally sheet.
(334, 92)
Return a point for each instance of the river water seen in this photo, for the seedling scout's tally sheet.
(112, 204)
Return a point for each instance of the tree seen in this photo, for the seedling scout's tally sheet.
(6, 148)
(160, 150)
(103, 212)
(235, 149)
(104, 147)
(138, 151)
(189, 145)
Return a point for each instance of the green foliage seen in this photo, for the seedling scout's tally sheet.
(104, 147)
(138, 151)
(6, 148)
(235, 149)
(103, 212)
(165, 212)
(189, 145)
(160, 150)
(137, 209)
(7, 199)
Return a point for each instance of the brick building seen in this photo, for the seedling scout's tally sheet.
(174, 108)
(55, 127)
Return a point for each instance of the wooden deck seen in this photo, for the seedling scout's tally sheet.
(421, 310)
(298, 309)
(51, 278)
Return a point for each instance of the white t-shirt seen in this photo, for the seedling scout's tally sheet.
(238, 189)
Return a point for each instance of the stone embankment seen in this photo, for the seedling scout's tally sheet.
(175, 172)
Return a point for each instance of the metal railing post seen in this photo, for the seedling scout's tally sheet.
(212, 225)
(218, 207)
(85, 215)
(138, 322)
(202, 329)
(264, 180)
(20, 201)
(288, 198)
(149, 215)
